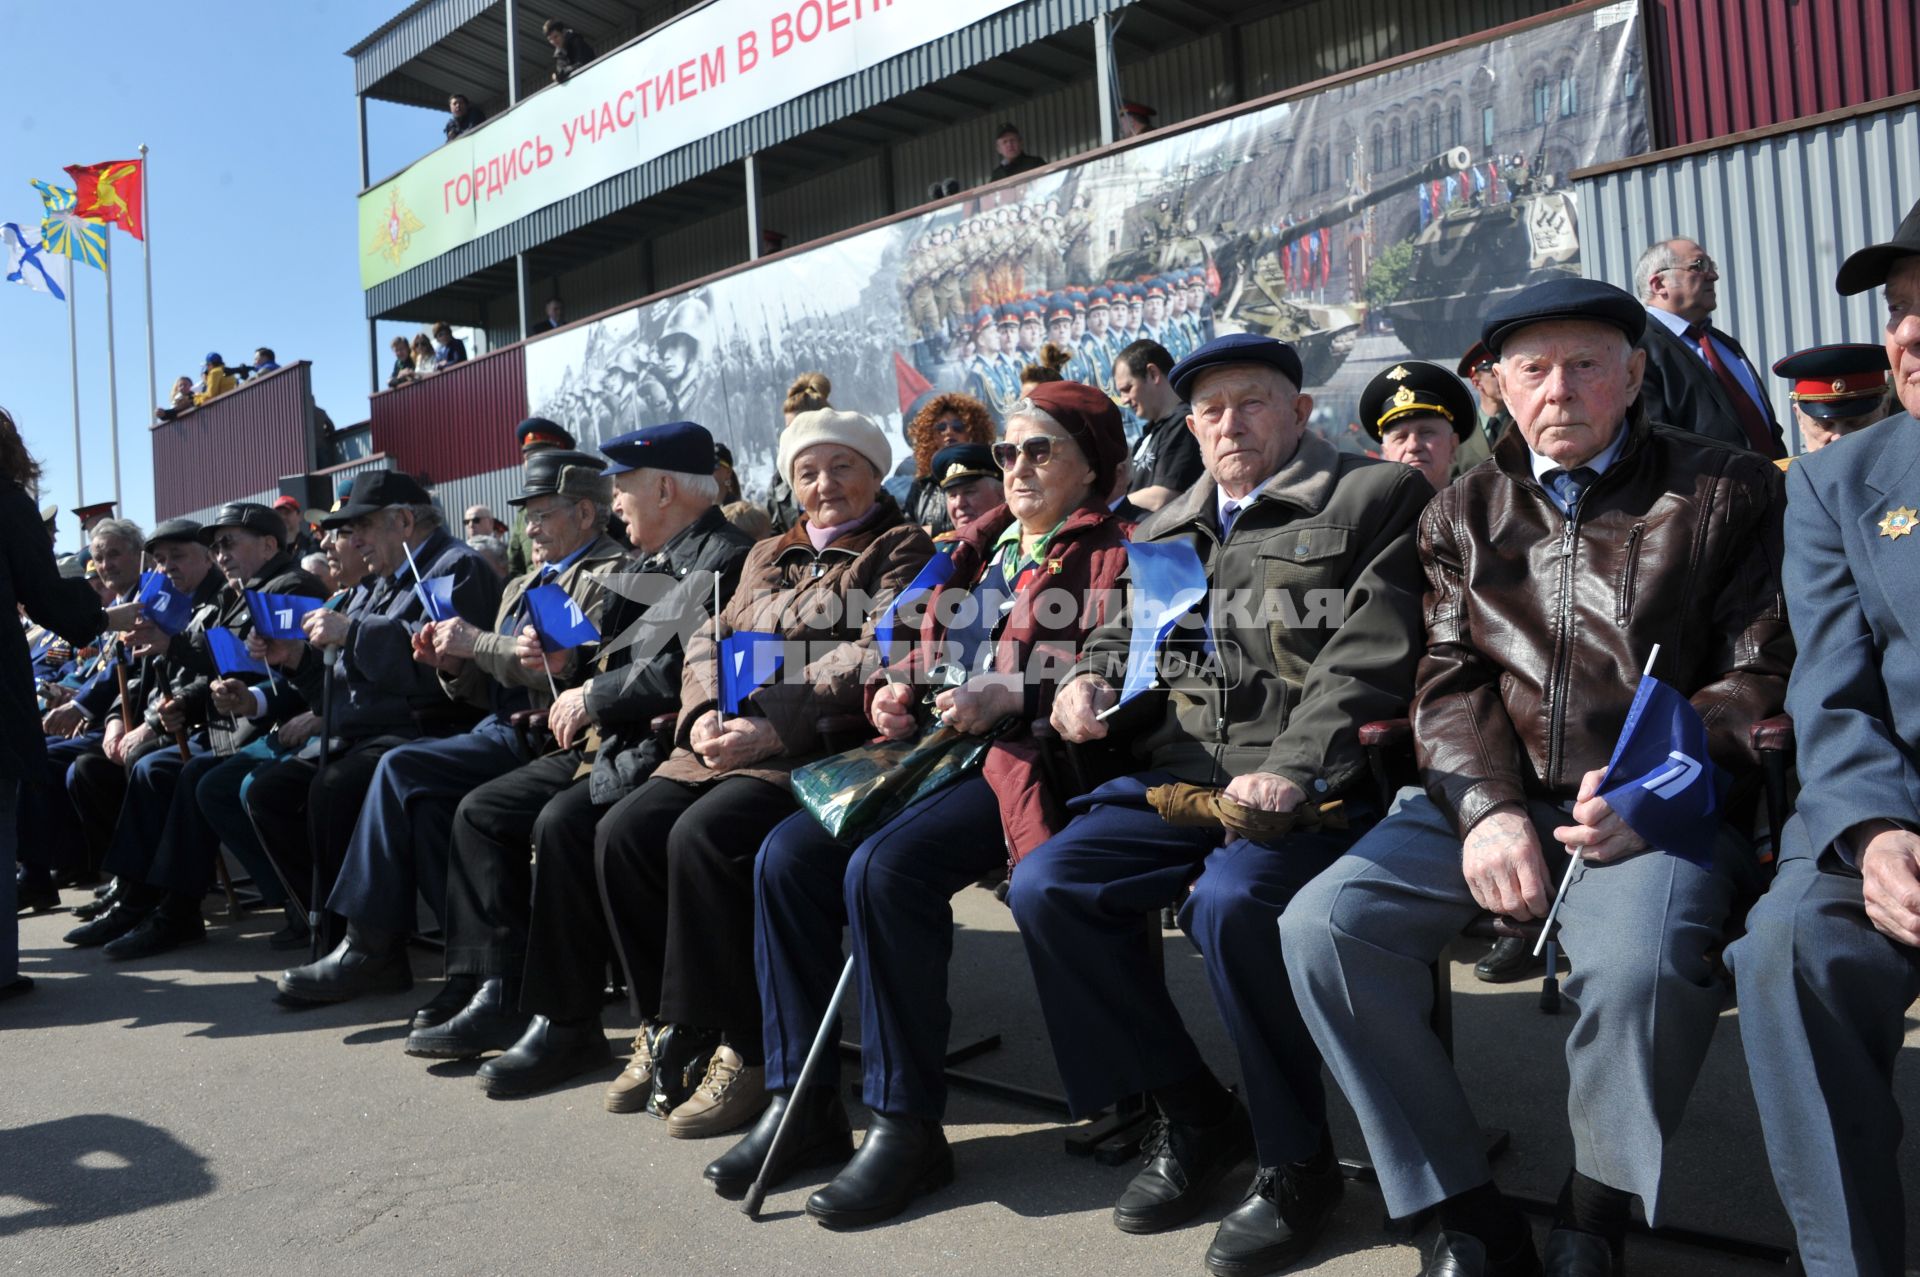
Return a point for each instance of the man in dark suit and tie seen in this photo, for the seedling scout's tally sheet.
(1831, 958)
(1698, 378)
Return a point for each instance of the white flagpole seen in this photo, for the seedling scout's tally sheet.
(146, 256)
(113, 380)
(73, 364)
(1566, 878)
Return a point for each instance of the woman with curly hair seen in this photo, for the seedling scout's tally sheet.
(944, 421)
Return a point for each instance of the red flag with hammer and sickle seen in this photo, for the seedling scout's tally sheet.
(110, 192)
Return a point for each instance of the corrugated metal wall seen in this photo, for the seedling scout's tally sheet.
(225, 447)
(458, 422)
(847, 196)
(700, 249)
(1778, 214)
(1733, 65)
(1327, 37)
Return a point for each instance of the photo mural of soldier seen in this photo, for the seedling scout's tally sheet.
(1366, 223)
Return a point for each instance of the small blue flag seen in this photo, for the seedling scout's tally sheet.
(1661, 779)
(230, 654)
(937, 572)
(558, 620)
(165, 606)
(749, 660)
(1167, 582)
(278, 616)
(436, 596)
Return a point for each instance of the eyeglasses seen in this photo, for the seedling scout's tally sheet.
(225, 543)
(1698, 266)
(540, 516)
(950, 426)
(1037, 449)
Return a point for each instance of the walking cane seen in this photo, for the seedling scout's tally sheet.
(823, 1042)
(326, 757)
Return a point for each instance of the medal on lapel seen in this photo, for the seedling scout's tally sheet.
(1898, 522)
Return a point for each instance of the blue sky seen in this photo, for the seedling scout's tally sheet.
(249, 114)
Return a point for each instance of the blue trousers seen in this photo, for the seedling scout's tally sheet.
(1823, 997)
(1084, 900)
(893, 894)
(218, 794)
(145, 817)
(400, 842)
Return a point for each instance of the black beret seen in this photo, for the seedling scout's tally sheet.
(1235, 348)
(538, 430)
(248, 516)
(175, 530)
(376, 490)
(1415, 389)
(682, 447)
(963, 463)
(569, 474)
(1563, 299)
(1870, 267)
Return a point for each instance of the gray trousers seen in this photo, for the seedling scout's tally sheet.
(1358, 942)
(1822, 1002)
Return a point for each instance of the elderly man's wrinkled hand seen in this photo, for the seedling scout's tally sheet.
(1503, 866)
(1077, 707)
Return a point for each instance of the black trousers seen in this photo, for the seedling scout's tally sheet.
(49, 828)
(97, 789)
(299, 810)
(490, 868)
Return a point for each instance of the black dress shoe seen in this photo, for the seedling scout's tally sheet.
(1571, 1253)
(366, 961)
(901, 1159)
(1183, 1165)
(820, 1135)
(294, 935)
(1510, 959)
(38, 895)
(1283, 1214)
(102, 901)
(546, 1055)
(488, 1022)
(1464, 1255)
(680, 1055)
(18, 985)
(159, 932)
(456, 991)
(123, 917)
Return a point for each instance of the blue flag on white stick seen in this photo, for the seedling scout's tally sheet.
(937, 572)
(230, 654)
(1167, 581)
(749, 660)
(558, 620)
(1661, 779)
(277, 616)
(436, 596)
(165, 606)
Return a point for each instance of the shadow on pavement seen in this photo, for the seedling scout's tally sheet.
(95, 1166)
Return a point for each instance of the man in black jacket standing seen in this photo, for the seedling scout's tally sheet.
(1698, 378)
(570, 49)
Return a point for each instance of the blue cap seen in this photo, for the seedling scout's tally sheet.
(1236, 348)
(213, 357)
(682, 447)
(1561, 299)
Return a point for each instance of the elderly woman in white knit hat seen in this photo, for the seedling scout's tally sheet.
(675, 858)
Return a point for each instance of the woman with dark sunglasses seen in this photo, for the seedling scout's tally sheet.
(944, 421)
(1028, 581)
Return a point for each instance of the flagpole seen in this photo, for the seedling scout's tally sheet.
(146, 256)
(1546, 928)
(73, 366)
(113, 379)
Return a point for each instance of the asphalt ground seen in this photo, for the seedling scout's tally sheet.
(167, 1117)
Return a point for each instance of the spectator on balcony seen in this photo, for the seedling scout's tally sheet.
(461, 116)
(1013, 158)
(556, 316)
(570, 49)
(263, 361)
(402, 363)
(216, 380)
(424, 360)
(182, 400)
(1135, 118)
(447, 349)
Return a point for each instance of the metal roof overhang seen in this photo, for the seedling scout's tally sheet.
(1006, 59)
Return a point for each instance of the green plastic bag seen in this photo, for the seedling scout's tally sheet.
(854, 793)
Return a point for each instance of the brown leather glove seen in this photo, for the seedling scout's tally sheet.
(1183, 803)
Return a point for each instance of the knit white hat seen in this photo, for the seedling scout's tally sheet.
(830, 425)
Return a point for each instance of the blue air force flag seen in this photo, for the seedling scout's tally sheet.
(1661, 779)
(558, 620)
(749, 660)
(165, 606)
(1167, 581)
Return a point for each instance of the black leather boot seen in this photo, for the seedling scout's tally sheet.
(820, 1135)
(1184, 1163)
(680, 1056)
(489, 1022)
(455, 992)
(369, 960)
(902, 1158)
(548, 1053)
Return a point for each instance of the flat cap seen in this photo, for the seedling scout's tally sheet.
(1563, 299)
(1235, 348)
(538, 432)
(963, 463)
(1411, 389)
(678, 447)
(174, 530)
(563, 473)
(1870, 267)
(375, 490)
(1844, 380)
(248, 516)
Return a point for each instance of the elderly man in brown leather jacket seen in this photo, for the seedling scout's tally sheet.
(1553, 571)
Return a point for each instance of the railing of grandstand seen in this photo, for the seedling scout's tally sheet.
(237, 443)
(456, 423)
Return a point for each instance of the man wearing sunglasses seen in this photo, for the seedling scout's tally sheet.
(1698, 378)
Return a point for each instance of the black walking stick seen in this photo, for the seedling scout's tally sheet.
(823, 1042)
(319, 845)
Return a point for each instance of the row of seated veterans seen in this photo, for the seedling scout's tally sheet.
(1510, 616)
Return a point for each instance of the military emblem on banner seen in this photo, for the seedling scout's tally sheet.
(396, 231)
